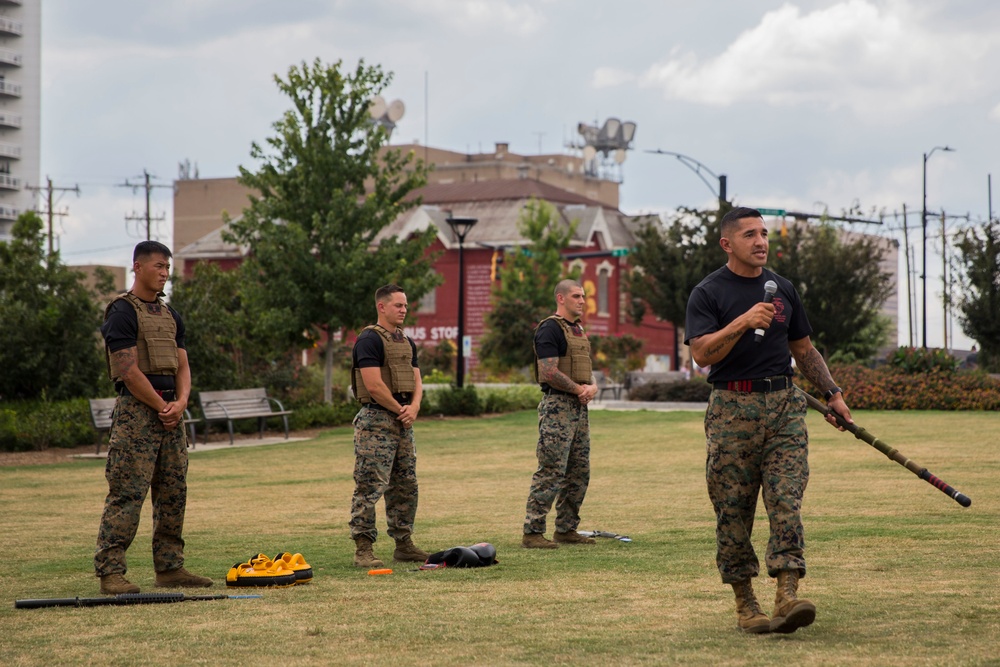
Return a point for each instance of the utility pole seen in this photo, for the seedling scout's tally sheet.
(909, 293)
(50, 211)
(148, 186)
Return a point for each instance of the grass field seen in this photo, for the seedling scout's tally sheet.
(900, 573)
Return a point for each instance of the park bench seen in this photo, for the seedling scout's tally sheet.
(230, 404)
(100, 415)
(638, 378)
(604, 384)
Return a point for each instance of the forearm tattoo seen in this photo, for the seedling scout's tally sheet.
(815, 369)
(549, 373)
(722, 344)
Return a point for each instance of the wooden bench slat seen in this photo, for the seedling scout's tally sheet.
(230, 404)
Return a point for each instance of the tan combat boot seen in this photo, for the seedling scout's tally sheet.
(363, 554)
(749, 617)
(181, 578)
(537, 541)
(790, 612)
(572, 537)
(117, 584)
(407, 551)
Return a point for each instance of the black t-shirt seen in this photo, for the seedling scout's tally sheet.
(121, 331)
(550, 341)
(369, 352)
(722, 297)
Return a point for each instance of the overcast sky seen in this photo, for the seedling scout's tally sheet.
(803, 104)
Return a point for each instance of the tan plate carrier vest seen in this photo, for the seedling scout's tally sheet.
(156, 341)
(397, 368)
(576, 365)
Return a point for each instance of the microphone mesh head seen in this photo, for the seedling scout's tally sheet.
(770, 287)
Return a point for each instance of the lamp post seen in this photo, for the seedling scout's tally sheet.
(923, 225)
(460, 227)
(697, 168)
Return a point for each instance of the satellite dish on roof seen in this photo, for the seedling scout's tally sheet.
(620, 155)
(396, 110)
(589, 152)
(376, 107)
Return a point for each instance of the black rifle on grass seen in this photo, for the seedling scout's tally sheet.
(125, 599)
(909, 464)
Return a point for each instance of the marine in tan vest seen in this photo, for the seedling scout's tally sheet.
(386, 380)
(147, 447)
(563, 368)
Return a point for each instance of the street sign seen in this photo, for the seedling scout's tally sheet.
(771, 211)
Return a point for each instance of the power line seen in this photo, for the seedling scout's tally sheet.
(50, 211)
(148, 186)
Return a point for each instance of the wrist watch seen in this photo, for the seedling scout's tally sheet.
(828, 394)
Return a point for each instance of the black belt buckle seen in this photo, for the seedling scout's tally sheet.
(169, 395)
(767, 384)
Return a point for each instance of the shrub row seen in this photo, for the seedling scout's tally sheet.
(892, 388)
(695, 390)
(39, 425)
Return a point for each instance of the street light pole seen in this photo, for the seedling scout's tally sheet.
(460, 227)
(923, 225)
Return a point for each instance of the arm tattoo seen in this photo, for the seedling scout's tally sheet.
(721, 345)
(125, 359)
(549, 373)
(815, 369)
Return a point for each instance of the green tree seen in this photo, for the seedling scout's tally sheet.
(49, 321)
(526, 293)
(842, 285)
(225, 349)
(979, 307)
(669, 260)
(326, 190)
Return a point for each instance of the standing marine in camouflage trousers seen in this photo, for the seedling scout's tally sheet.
(563, 473)
(142, 454)
(762, 449)
(755, 423)
(386, 380)
(385, 463)
(147, 449)
(562, 365)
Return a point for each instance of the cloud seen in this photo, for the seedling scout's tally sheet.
(607, 77)
(520, 18)
(857, 54)
(995, 113)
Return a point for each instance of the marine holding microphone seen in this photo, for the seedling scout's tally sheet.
(747, 323)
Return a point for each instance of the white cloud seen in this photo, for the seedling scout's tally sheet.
(859, 54)
(995, 113)
(607, 77)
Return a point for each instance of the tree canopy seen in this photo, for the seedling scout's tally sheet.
(49, 340)
(326, 189)
(526, 293)
(979, 308)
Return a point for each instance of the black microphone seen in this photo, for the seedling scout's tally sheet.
(770, 287)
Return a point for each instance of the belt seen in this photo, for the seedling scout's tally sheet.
(555, 392)
(378, 406)
(765, 385)
(166, 394)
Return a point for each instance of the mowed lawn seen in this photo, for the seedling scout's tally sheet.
(900, 573)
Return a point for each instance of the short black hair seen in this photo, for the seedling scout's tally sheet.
(147, 248)
(731, 219)
(385, 291)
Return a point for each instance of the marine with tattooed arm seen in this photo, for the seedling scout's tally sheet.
(755, 423)
(562, 363)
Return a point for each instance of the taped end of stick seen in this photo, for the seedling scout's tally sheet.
(963, 499)
(379, 572)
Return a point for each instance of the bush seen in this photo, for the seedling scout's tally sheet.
(920, 360)
(454, 401)
(321, 414)
(38, 425)
(510, 399)
(695, 390)
(894, 388)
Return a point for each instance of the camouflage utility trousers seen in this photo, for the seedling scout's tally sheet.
(142, 456)
(757, 442)
(385, 463)
(563, 473)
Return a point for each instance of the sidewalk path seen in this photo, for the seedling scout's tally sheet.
(659, 406)
(209, 446)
